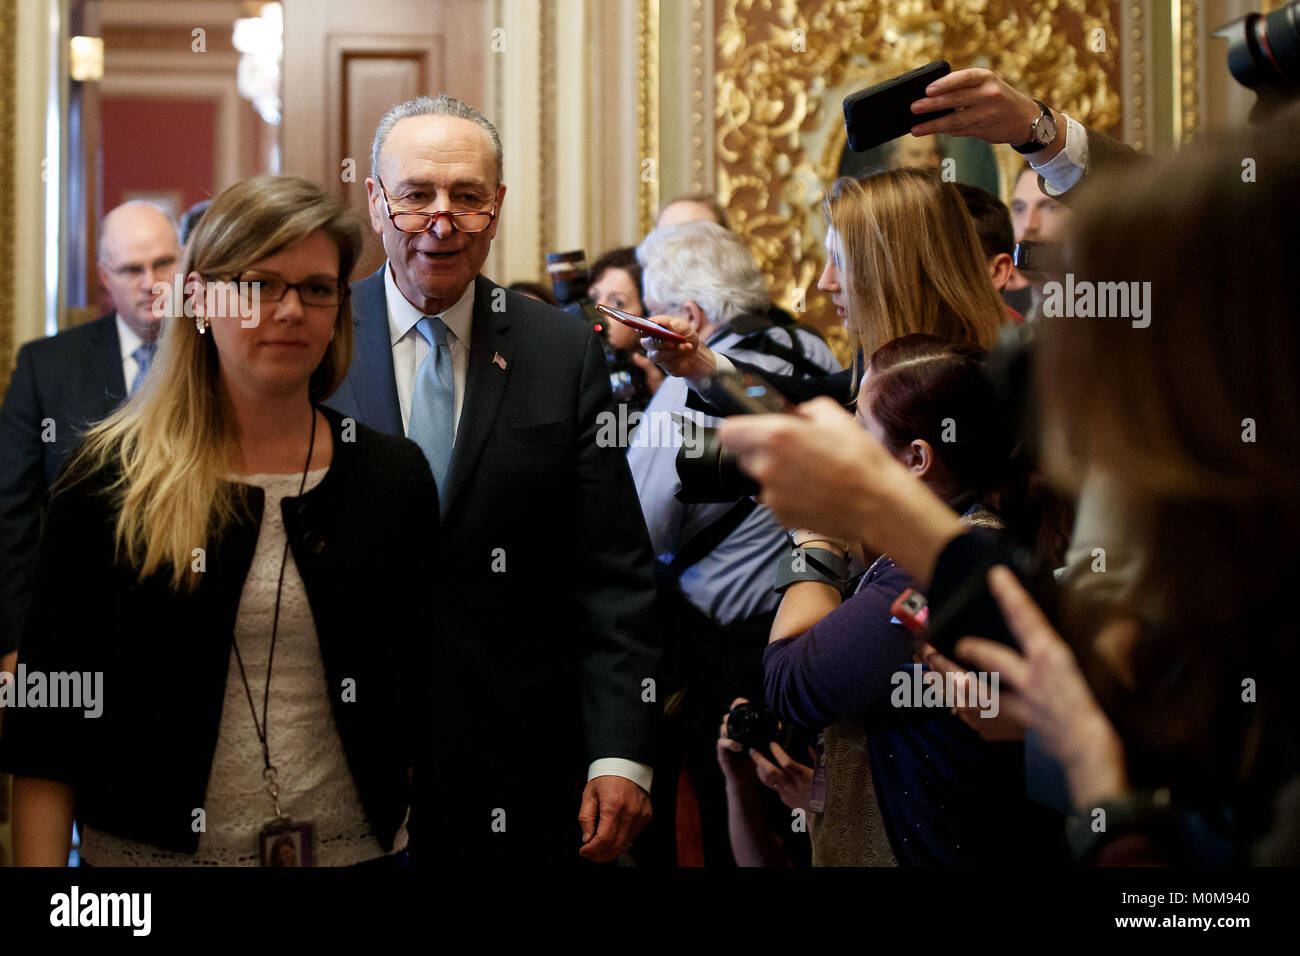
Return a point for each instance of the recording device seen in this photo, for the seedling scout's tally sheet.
(1044, 258)
(753, 726)
(642, 325)
(745, 393)
(708, 472)
(1264, 56)
(569, 276)
(627, 380)
(912, 610)
(884, 111)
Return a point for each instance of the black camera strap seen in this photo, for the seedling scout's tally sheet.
(708, 539)
(753, 331)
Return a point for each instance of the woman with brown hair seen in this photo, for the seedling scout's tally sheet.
(903, 256)
(213, 553)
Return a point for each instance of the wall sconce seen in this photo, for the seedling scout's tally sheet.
(86, 60)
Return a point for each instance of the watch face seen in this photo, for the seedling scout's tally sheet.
(1045, 131)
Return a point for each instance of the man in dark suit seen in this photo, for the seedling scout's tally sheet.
(544, 547)
(63, 384)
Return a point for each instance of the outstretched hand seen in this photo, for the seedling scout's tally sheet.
(988, 108)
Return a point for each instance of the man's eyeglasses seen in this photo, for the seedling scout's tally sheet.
(322, 292)
(417, 222)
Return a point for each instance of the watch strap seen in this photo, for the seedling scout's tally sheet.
(1033, 145)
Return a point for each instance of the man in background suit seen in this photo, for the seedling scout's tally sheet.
(63, 384)
(544, 546)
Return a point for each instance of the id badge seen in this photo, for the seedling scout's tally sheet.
(281, 842)
(817, 800)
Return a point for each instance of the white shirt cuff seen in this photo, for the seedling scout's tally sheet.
(638, 773)
(1068, 166)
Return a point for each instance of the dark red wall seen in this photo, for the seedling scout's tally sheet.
(157, 144)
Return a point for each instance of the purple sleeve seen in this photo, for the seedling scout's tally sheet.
(841, 667)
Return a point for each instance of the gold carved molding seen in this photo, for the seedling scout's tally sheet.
(8, 99)
(647, 113)
(1185, 24)
(782, 67)
(546, 135)
(701, 125)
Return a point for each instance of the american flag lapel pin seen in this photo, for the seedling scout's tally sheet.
(498, 361)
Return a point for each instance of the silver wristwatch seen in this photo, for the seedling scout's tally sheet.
(1041, 133)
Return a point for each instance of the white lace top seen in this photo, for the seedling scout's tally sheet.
(315, 783)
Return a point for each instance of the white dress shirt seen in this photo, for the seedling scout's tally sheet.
(129, 342)
(409, 350)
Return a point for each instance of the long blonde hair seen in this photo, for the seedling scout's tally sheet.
(171, 445)
(912, 261)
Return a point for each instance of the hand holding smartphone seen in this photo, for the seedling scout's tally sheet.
(644, 326)
(884, 111)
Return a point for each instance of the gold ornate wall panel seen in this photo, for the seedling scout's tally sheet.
(781, 69)
(8, 70)
(647, 28)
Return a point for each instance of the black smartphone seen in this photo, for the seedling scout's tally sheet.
(884, 111)
(745, 393)
(1041, 257)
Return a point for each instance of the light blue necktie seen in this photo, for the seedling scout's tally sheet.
(433, 403)
(143, 359)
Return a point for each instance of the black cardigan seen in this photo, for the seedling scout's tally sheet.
(364, 542)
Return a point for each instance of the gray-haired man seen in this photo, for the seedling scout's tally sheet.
(718, 559)
(548, 634)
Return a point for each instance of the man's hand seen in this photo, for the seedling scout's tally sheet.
(614, 810)
(988, 108)
(692, 359)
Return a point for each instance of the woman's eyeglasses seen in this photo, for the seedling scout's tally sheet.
(320, 292)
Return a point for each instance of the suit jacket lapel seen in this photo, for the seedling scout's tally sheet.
(374, 387)
(105, 376)
(490, 358)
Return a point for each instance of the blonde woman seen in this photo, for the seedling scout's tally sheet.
(903, 256)
(226, 562)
